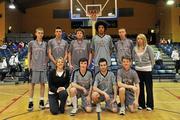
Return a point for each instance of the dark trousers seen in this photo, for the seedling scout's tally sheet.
(3, 75)
(146, 78)
(177, 66)
(55, 107)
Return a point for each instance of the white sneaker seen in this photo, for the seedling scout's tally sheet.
(122, 111)
(149, 109)
(140, 108)
(73, 111)
(47, 105)
(98, 108)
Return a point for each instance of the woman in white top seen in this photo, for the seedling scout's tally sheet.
(3, 68)
(143, 57)
(175, 56)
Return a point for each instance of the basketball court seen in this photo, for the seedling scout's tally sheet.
(14, 102)
(14, 98)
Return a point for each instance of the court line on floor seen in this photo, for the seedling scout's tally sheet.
(17, 115)
(178, 97)
(167, 110)
(13, 101)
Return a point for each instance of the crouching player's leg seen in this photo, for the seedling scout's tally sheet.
(132, 99)
(122, 100)
(73, 93)
(86, 103)
(96, 100)
(111, 104)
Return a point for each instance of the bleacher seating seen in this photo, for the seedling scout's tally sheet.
(167, 71)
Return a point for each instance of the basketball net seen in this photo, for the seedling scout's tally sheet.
(93, 15)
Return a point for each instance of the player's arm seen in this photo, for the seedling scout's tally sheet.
(29, 54)
(66, 52)
(98, 90)
(90, 58)
(69, 58)
(29, 60)
(120, 84)
(115, 91)
(65, 55)
(137, 92)
(50, 56)
(77, 86)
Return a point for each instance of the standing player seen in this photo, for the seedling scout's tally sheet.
(105, 88)
(57, 47)
(37, 52)
(81, 86)
(123, 46)
(78, 49)
(102, 45)
(128, 83)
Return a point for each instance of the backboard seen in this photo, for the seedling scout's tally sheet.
(104, 9)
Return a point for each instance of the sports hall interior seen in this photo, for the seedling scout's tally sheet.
(157, 20)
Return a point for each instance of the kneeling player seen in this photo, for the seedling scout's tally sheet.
(105, 88)
(128, 83)
(81, 86)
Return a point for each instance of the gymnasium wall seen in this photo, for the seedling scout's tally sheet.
(14, 19)
(2, 21)
(175, 24)
(143, 19)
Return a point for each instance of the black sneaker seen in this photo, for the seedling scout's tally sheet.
(30, 106)
(41, 104)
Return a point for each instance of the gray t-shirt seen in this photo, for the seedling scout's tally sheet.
(79, 50)
(102, 47)
(38, 55)
(85, 80)
(58, 48)
(123, 48)
(105, 83)
(129, 77)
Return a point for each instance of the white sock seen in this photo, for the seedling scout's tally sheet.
(98, 105)
(41, 98)
(123, 105)
(30, 99)
(74, 102)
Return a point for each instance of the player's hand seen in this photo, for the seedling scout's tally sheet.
(106, 96)
(60, 89)
(134, 88)
(85, 91)
(113, 101)
(136, 104)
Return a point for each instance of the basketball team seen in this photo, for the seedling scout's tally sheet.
(70, 74)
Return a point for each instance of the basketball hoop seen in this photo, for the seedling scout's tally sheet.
(93, 14)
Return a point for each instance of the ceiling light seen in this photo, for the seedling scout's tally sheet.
(11, 5)
(78, 9)
(170, 2)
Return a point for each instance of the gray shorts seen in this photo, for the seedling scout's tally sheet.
(83, 99)
(108, 105)
(39, 77)
(129, 97)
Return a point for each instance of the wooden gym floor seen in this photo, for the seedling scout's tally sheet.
(14, 102)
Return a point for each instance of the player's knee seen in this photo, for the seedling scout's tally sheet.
(72, 91)
(114, 110)
(122, 90)
(131, 109)
(88, 109)
(95, 96)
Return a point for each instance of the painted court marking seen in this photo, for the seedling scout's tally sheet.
(13, 101)
(178, 97)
